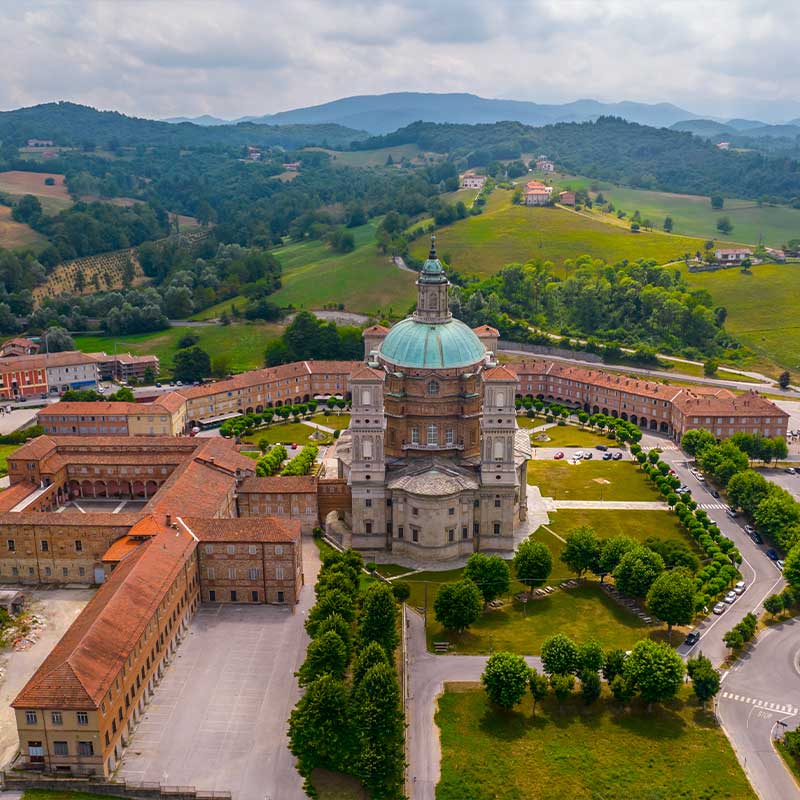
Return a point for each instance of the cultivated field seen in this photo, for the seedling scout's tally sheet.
(16, 235)
(372, 158)
(54, 198)
(242, 345)
(762, 310)
(604, 751)
(505, 233)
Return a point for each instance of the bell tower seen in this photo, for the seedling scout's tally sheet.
(433, 304)
(498, 428)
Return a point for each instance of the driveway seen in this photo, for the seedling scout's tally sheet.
(58, 607)
(218, 720)
(428, 673)
(761, 691)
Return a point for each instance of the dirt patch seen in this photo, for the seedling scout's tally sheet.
(17, 182)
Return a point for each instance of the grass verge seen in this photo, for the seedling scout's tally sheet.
(591, 480)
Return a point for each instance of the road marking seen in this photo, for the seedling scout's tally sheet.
(711, 506)
(766, 705)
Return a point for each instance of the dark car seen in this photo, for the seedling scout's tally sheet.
(692, 639)
(756, 537)
(715, 493)
(607, 456)
(603, 447)
(772, 553)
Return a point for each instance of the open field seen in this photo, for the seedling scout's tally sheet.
(639, 525)
(18, 183)
(16, 235)
(674, 751)
(591, 480)
(242, 344)
(505, 233)
(762, 309)
(364, 280)
(371, 158)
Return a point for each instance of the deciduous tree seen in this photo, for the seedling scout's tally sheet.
(559, 655)
(582, 550)
(327, 654)
(655, 669)
(458, 605)
(490, 574)
(671, 598)
(506, 679)
(539, 687)
(637, 570)
(533, 563)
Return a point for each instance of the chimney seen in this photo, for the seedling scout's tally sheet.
(169, 520)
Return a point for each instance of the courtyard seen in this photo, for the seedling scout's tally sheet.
(103, 505)
(218, 718)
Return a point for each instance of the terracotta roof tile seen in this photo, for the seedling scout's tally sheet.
(244, 529)
(299, 484)
(363, 372)
(501, 373)
(10, 497)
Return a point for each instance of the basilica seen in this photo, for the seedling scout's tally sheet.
(433, 458)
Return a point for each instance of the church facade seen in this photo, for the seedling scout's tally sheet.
(433, 457)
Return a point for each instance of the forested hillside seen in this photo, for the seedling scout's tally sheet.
(615, 150)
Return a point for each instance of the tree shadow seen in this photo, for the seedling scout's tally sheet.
(507, 726)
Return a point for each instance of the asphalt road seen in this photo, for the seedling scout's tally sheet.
(758, 694)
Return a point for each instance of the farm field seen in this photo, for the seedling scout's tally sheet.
(591, 480)
(242, 344)
(371, 158)
(505, 233)
(53, 198)
(762, 310)
(364, 280)
(675, 750)
(16, 235)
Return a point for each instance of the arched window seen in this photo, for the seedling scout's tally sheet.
(433, 435)
(433, 388)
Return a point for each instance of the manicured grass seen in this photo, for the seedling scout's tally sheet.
(5, 451)
(582, 613)
(595, 753)
(336, 421)
(364, 280)
(570, 436)
(639, 525)
(243, 344)
(505, 233)
(762, 312)
(591, 480)
(16, 235)
(287, 433)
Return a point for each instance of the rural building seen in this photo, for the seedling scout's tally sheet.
(566, 198)
(724, 145)
(18, 347)
(292, 166)
(40, 143)
(778, 255)
(545, 165)
(733, 255)
(292, 498)
(471, 180)
(537, 196)
(125, 367)
(43, 373)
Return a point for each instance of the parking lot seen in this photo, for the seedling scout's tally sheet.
(785, 480)
(218, 719)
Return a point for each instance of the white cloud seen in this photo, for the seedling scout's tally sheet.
(239, 57)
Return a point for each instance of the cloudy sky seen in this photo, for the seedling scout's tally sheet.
(240, 57)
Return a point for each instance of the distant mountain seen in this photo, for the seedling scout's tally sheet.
(737, 129)
(205, 119)
(703, 127)
(745, 124)
(385, 113)
(73, 124)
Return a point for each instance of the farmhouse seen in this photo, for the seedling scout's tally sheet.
(537, 195)
(732, 255)
(724, 145)
(545, 165)
(471, 180)
(566, 198)
(18, 347)
(40, 143)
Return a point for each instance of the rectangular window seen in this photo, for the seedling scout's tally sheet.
(78, 546)
(82, 718)
(45, 545)
(280, 597)
(60, 749)
(414, 511)
(414, 534)
(433, 436)
(12, 546)
(496, 528)
(368, 503)
(56, 717)
(368, 527)
(252, 549)
(211, 574)
(476, 528)
(279, 573)
(48, 571)
(233, 595)
(85, 749)
(450, 436)
(278, 549)
(497, 502)
(30, 717)
(465, 532)
(209, 548)
(232, 573)
(253, 573)
(451, 512)
(451, 534)
(415, 436)
(81, 571)
(231, 549)
(65, 571)
(400, 531)
(212, 596)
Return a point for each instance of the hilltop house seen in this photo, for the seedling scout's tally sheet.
(566, 198)
(537, 194)
(545, 165)
(470, 180)
(734, 255)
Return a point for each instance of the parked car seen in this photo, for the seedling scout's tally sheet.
(700, 477)
(617, 456)
(588, 455)
(602, 447)
(683, 488)
(607, 456)
(577, 456)
(715, 493)
(772, 553)
(740, 587)
(748, 529)
(178, 383)
(158, 385)
(756, 537)
(692, 638)
(779, 564)
(731, 511)
(719, 608)
(730, 598)
(559, 454)
(790, 470)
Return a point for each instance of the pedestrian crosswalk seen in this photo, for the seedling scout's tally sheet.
(711, 506)
(766, 704)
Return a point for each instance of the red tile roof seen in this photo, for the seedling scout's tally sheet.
(376, 329)
(101, 407)
(363, 372)
(486, 330)
(119, 549)
(244, 529)
(501, 373)
(300, 484)
(18, 492)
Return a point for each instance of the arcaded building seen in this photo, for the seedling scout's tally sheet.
(433, 458)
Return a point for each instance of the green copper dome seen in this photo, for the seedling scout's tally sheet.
(412, 343)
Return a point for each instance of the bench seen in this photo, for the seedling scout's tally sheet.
(441, 647)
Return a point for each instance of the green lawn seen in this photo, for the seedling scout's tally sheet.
(364, 280)
(286, 433)
(5, 451)
(591, 480)
(336, 421)
(569, 436)
(639, 525)
(505, 233)
(243, 344)
(762, 310)
(582, 613)
(596, 753)
(371, 158)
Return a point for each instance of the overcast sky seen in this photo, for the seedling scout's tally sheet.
(241, 57)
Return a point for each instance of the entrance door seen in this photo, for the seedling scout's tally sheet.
(35, 753)
(99, 575)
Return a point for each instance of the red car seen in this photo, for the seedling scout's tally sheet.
(559, 454)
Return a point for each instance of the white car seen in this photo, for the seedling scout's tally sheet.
(740, 587)
(730, 598)
(779, 564)
(719, 608)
